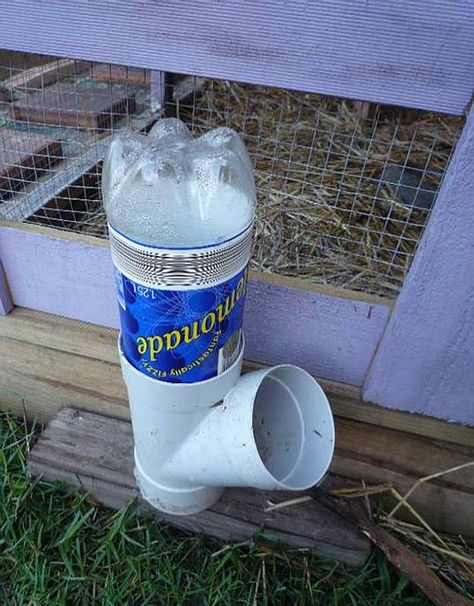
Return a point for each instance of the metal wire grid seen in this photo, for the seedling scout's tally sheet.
(56, 117)
(339, 192)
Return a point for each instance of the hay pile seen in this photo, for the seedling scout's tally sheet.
(323, 212)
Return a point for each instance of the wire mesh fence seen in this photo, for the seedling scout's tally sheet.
(344, 189)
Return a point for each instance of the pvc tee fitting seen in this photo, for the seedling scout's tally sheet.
(270, 429)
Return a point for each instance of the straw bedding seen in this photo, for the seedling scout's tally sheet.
(324, 213)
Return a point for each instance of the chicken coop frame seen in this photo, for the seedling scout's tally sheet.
(416, 355)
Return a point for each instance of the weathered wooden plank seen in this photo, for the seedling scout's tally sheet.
(25, 157)
(120, 74)
(69, 104)
(425, 362)
(390, 52)
(71, 275)
(386, 455)
(60, 333)
(43, 75)
(48, 362)
(346, 402)
(95, 452)
(99, 344)
(41, 381)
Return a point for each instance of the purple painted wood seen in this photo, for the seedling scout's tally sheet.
(6, 303)
(330, 336)
(425, 362)
(406, 53)
(62, 276)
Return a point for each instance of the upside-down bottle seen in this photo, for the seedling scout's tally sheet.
(180, 213)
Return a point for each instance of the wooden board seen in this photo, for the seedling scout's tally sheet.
(24, 157)
(427, 352)
(95, 452)
(379, 454)
(347, 402)
(49, 362)
(42, 75)
(331, 332)
(119, 74)
(100, 344)
(68, 104)
(402, 53)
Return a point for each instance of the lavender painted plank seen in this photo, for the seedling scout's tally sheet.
(407, 53)
(331, 336)
(425, 362)
(6, 303)
(63, 276)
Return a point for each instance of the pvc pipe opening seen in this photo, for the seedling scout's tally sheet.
(293, 427)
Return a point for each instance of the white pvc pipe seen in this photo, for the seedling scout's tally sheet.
(163, 414)
(270, 429)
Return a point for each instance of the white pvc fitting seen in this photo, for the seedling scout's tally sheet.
(273, 430)
(163, 414)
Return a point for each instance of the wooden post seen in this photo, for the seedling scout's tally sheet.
(425, 361)
(157, 90)
(6, 303)
(362, 109)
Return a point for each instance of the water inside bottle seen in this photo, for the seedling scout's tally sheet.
(170, 190)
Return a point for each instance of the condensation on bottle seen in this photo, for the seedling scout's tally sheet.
(168, 189)
(180, 212)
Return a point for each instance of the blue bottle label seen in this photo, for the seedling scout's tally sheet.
(181, 336)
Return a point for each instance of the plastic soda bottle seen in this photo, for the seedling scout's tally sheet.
(180, 214)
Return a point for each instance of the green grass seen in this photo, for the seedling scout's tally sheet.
(58, 547)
